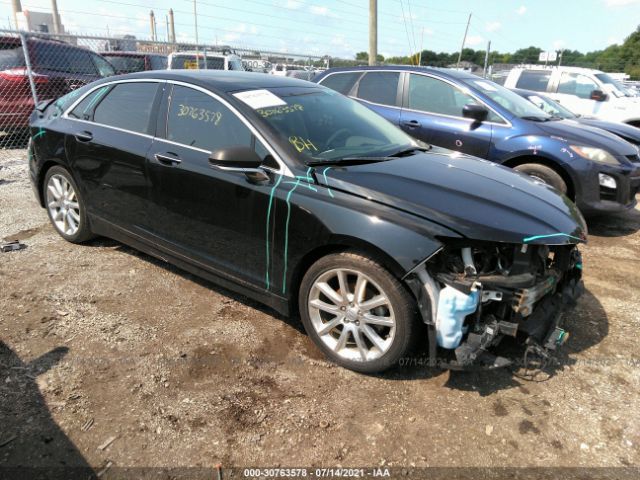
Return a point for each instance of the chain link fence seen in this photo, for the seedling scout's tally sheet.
(35, 67)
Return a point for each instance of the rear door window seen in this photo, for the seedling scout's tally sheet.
(536, 80)
(379, 87)
(341, 82)
(127, 106)
(62, 58)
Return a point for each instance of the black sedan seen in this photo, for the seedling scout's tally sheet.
(623, 130)
(305, 200)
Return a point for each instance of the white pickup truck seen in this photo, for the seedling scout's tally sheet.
(584, 91)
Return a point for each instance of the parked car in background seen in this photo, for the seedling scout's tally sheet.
(130, 62)
(208, 60)
(463, 112)
(307, 201)
(57, 67)
(582, 90)
(550, 106)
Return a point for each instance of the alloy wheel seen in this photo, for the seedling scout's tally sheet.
(63, 205)
(351, 314)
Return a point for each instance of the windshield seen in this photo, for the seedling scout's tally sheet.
(551, 107)
(189, 62)
(323, 125)
(616, 85)
(507, 99)
(126, 64)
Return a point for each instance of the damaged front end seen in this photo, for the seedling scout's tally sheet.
(473, 295)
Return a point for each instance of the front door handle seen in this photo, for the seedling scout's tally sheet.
(170, 160)
(412, 123)
(84, 136)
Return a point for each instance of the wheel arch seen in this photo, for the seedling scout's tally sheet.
(547, 162)
(340, 244)
(46, 166)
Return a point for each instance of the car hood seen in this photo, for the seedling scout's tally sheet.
(617, 128)
(577, 133)
(475, 198)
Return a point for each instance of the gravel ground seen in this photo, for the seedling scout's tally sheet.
(101, 343)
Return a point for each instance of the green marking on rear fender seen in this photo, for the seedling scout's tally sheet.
(40, 133)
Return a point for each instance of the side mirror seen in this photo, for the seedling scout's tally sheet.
(479, 113)
(598, 96)
(239, 159)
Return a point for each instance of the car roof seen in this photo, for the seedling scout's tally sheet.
(561, 68)
(131, 54)
(220, 80)
(445, 72)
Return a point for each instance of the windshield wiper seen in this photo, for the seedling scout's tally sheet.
(535, 118)
(410, 150)
(348, 161)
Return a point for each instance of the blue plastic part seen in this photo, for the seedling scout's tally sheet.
(453, 307)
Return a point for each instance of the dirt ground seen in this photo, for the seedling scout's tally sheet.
(100, 342)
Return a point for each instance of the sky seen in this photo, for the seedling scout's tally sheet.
(339, 28)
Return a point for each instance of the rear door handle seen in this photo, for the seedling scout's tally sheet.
(412, 123)
(84, 136)
(170, 159)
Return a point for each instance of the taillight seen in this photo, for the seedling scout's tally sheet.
(20, 75)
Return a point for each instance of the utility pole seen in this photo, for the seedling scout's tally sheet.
(57, 27)
(195, 21)
(373, 32)
(464, 39)
(560, 56)
(486, 60)
(421, 47)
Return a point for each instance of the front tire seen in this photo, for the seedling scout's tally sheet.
(544, 174)
(65, 206)
(357, 313)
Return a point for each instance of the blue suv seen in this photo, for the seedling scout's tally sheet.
(463, 112)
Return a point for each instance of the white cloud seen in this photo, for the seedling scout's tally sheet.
(317, 10)
(492, 26)
(613, 41)
(559, 44)
(474, 40)
(292, 4)
(620, 3)
(522, 10)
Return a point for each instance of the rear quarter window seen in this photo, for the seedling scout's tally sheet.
(341, 82)
(534, 80)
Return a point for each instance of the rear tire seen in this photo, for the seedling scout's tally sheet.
(357, 313)
(544, 174)
(65, 206)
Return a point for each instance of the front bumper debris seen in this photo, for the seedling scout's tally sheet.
(524, 297)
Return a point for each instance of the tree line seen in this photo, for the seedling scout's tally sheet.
(615, 58)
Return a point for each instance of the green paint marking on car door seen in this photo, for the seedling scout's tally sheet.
(324, 174)
(286, 237)
(268, 257)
